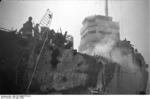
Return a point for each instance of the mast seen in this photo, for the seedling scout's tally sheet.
(106, 7)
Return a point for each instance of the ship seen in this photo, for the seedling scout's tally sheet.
(52, 66)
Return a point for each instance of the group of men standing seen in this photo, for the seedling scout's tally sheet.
(28, 31)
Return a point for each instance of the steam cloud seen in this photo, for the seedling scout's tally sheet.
(106, 48)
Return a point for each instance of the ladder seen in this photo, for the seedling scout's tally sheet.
(45, 21)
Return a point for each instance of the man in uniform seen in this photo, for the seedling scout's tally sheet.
(27, 28)
(36, 31)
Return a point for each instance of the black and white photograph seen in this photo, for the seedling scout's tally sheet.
(74, 47)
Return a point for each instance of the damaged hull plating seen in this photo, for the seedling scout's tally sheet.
(62, 71)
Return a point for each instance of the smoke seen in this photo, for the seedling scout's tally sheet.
(101, 45)
(124, 57)
(106, 47)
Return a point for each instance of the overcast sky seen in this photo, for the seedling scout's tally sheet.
(69, 14)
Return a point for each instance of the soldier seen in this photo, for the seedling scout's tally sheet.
(36, 31)
(27, 28)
